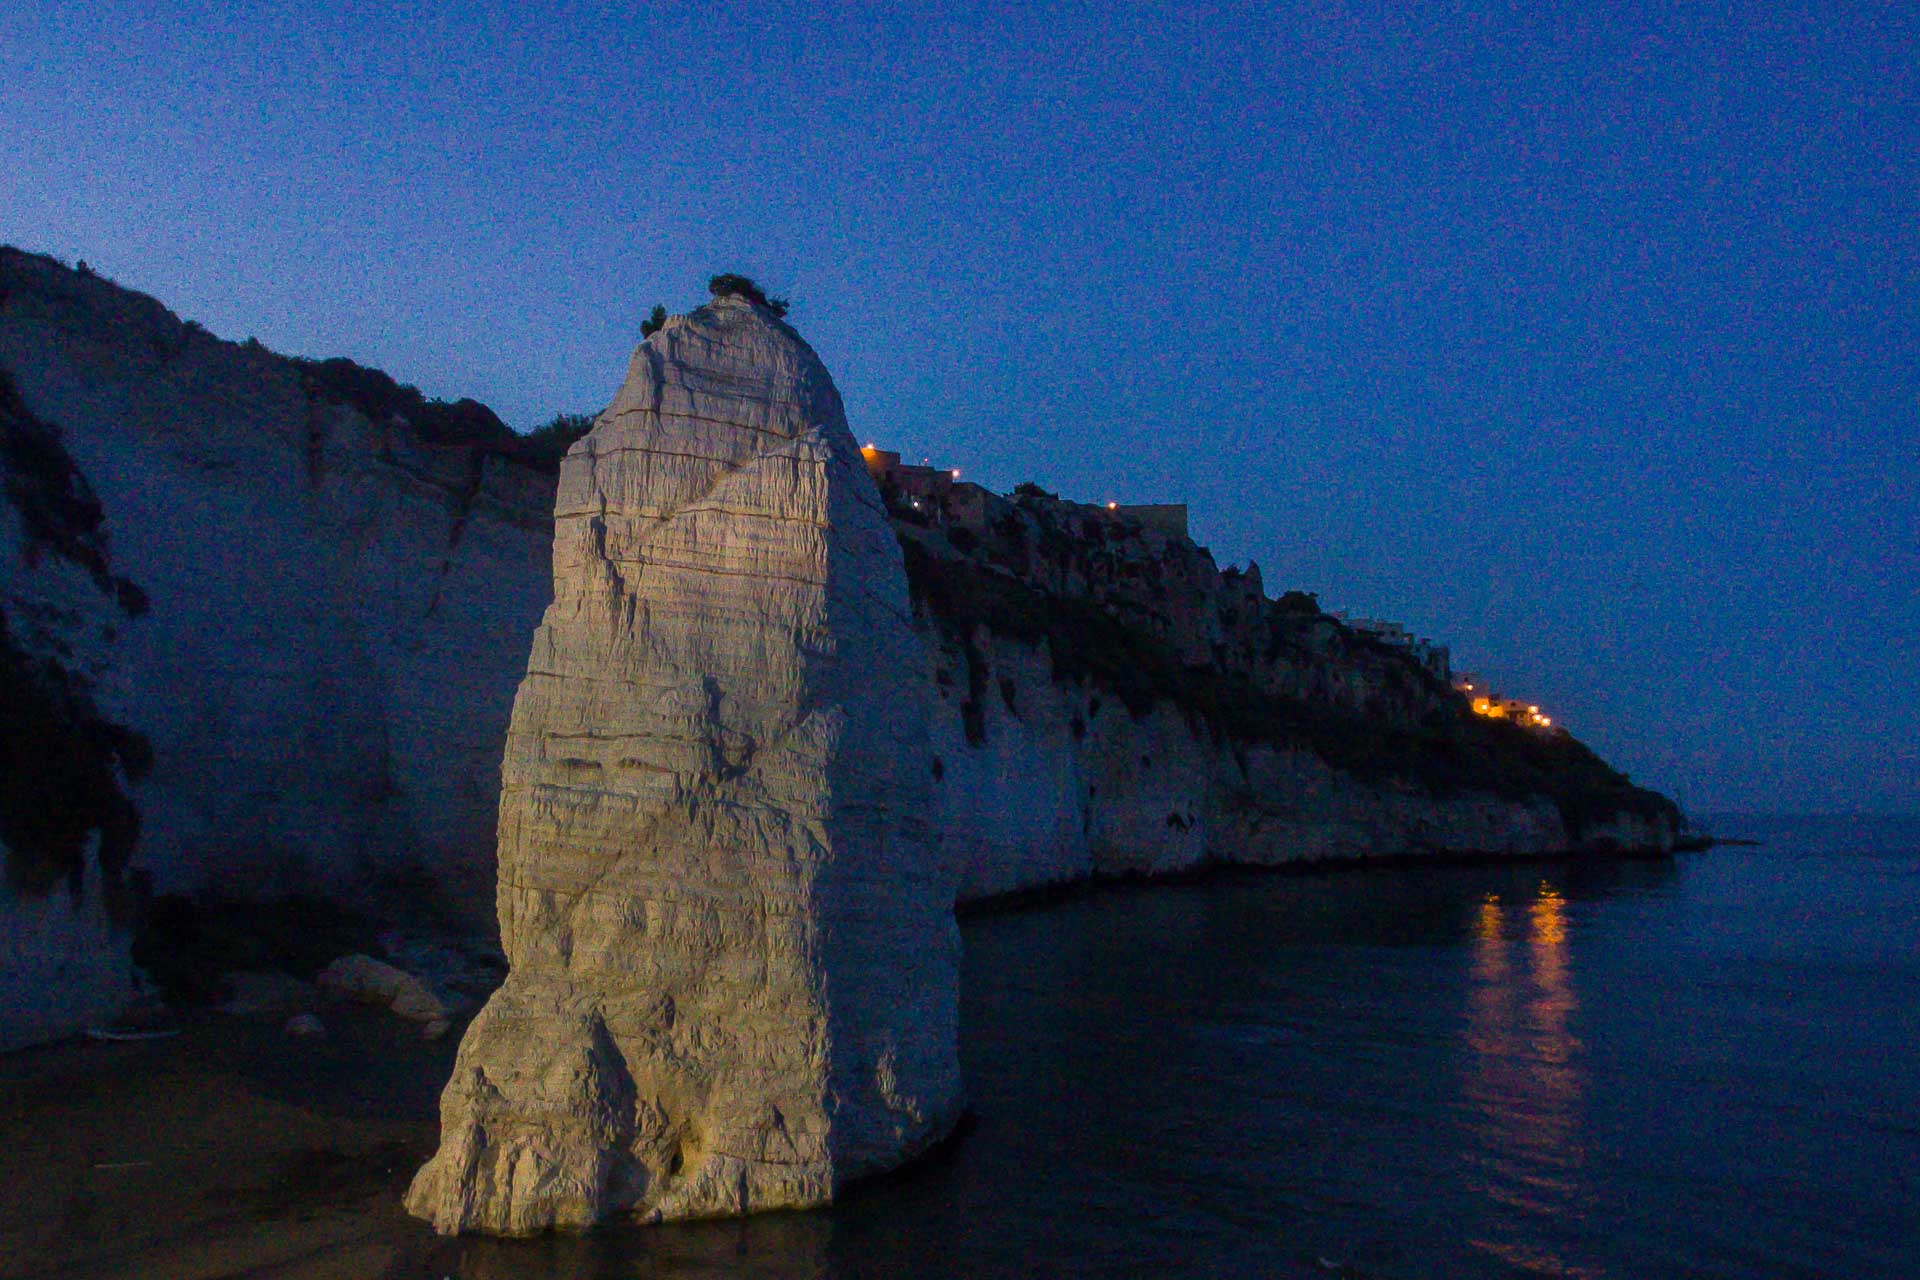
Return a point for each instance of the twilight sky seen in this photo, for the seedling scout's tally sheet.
(1584, 339)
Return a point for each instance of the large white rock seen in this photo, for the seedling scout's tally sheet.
(734, 968)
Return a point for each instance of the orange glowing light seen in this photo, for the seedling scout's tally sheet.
(1549, 921)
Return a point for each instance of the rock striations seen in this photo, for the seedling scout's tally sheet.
(733, 956)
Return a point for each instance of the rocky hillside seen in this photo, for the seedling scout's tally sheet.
(264, 618)
(261, 621)
(1108, 702)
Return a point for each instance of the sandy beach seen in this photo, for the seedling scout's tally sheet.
(229, 1149)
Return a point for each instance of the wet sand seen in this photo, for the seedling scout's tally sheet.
(232, 1149)
(236, 1150)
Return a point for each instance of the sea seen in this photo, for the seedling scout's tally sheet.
(1700, 1067)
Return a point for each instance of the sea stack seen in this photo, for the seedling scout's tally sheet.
(734, 964)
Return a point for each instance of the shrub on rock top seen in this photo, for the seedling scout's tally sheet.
(729, 285)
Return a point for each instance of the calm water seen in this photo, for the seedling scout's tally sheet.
(1703, 1068)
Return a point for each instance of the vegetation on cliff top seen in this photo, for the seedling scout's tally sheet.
(380, 399)
(1450, 749)
(557, 436)
(378, 396)
(729, 285)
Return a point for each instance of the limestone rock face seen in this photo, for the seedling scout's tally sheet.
(67, 758)
(338, 605)
(733, 979)
(1060, 782)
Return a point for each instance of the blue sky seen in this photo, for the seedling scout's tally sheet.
(1586, 339)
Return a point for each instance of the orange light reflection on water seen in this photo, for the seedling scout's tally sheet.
(1524, 1086)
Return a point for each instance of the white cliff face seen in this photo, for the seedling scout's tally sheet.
(733, 958)
(339, 608)
(1013, 799)
(67, 824)
(64, 962)
(1288, 806)
(64, 958)
(1061, 782)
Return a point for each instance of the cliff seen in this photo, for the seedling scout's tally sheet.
(330, 584)
(262, 620)
(67, 823)
(1108, 702)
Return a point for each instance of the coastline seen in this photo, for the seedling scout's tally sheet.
(1226, 870)
(235, 1149)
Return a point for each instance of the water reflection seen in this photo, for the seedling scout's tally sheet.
(1525, 1079)
(1617, 1069)
(1260, 1077)
(777, 1246)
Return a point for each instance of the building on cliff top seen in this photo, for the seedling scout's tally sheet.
(932, 488)
(1168, 516)
(928, 494)
(1434, 657)
(921, 484)
(1495, 707)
